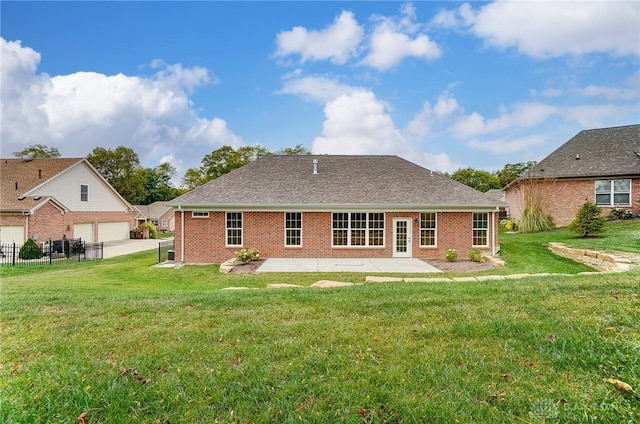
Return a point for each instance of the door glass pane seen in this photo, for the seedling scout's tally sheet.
(401, 236)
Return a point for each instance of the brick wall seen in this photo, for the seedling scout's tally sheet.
(563, 198)
(205, 242)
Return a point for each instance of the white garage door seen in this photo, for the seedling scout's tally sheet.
(108, 231)
(83, 231)
(12, 234)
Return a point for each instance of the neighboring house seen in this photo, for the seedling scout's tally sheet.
(500, 196)
(325, 206)
(600, 165)
(160, 214)
(47, 198)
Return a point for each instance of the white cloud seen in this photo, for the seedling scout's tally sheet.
(545, 29)
(445, 107)
(337, 42)
(78, 112)
(506, 146)
(392, 41)
(317, 88)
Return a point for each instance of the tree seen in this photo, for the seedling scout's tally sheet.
(37, 151)
(121, 168)
(589, 220)
(299, 149)
(157, 184)
(480, 180)
(512, 171)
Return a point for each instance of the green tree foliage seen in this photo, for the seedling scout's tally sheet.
(512, 171)
(121, 168)
(157, 184)
(37, 151)
(480, 180)
(299, 149)
(589, 220)
(30, 250)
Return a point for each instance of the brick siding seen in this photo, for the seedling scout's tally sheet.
(206, 238)
(563, 198)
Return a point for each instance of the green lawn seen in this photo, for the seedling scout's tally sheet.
(125, 342)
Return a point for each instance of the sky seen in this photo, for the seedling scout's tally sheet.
(444, 84)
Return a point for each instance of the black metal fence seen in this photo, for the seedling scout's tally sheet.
(50, 252)
(166, 251)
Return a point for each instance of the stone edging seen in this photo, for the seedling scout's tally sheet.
(603, 262)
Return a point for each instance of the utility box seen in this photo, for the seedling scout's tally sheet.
(171, 255)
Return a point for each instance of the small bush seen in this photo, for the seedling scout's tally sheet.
(476, 255)
(509, 225)
(451, 255)
(153, 233)
(30, 250)
(622, 213)
(589, 220)
(247, 255)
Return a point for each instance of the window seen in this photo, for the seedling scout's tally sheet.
(360, 229)
(613, 192)
(84, 193)
(234, 228)
(164, 223)
(428, 229)
(200, 214)
(481, 229)
(293, 228)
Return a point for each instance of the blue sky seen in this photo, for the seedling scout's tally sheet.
(443, 84)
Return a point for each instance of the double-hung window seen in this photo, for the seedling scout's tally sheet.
(84, 193)
(480, 229)
(293, 229)
(359, 229)
(427, 229)
(613, 192)
(234, 228)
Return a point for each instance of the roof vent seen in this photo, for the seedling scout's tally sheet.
(578, 157)
(315, 166)
(21, 198)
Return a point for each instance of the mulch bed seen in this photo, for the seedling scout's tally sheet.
(441, 264)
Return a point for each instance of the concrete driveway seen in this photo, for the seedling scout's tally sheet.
(125, 247)
(395, 265)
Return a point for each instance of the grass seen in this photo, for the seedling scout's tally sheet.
(125, 342)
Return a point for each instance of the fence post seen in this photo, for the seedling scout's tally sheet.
(13, 254)
(50, 252)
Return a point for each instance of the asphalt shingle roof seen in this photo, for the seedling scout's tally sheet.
(604, 152)
(341, 181)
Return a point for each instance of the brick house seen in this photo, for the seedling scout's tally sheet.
(158, 213)
(47, 198)
(600, 165)
(331, 206)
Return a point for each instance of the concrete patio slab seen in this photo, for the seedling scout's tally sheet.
(376, 265)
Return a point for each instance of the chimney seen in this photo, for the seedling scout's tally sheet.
(315, 166)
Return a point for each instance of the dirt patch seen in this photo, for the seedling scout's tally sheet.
(460, 266)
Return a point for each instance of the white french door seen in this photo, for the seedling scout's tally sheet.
(402, 238)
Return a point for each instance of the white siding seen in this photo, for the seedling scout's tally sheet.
(66, 188)
(109, 231)
(83, 231)
(12, 234)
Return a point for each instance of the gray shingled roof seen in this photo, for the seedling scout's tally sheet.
(605, 152)
(342, 181)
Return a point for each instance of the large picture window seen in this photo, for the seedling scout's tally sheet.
(293, 229)
(358, 229)
(613, 192)
(428, 229)
(480, 229)
(234, 228)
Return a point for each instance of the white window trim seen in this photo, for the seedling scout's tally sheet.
(612, 193)
(367, 229)
(285, 230)
(485, 229)
(200, 215)
(435, 232)
(226, 230)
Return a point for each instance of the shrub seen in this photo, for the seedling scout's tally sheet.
(30, 250)
(451, 255)
(622, 213)
(153, 233)
(588, 221)
(476, 255)
(509, 225)
(247, 255)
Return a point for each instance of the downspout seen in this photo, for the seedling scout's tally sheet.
(26, 226)
(493, 233)
(182, 235)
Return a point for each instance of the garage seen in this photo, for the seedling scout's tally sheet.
(12, 234)
(109, 231)
(83, 231)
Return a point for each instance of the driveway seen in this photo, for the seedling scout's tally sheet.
(125, 247)
(395, 265)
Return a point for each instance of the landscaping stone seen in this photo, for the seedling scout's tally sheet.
(282, 286)
(515, 276)
(373, 279)
(489, 277)
(323, 284)
(463, 279)
(235, 288)
(428, 280)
